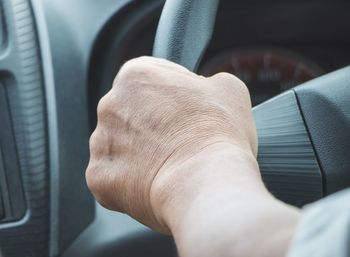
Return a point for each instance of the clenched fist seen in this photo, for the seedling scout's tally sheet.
(158, 116)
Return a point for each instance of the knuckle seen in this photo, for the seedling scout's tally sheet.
(97, 145)
(242, 88)
(233, 84)
(135, 69)
(92, 177)
(93, 142)
(105, 106)
(232, 80)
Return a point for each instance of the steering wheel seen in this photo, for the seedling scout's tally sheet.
(303, 133)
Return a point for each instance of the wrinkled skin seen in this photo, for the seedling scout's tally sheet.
(157, 116)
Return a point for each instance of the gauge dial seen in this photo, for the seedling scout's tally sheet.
(266, 72)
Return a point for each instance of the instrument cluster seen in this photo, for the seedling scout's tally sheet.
(266, 71)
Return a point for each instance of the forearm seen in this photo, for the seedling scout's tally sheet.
(228, 212)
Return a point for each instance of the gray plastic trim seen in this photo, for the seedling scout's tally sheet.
(325, 104)
(48, 76)
(286, 157)
(21, 74)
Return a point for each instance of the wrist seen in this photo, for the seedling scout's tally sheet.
(218, 196)
(221, 171)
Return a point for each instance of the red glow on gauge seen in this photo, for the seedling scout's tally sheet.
(265, 72)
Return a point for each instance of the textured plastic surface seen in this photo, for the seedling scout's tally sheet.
(71, 204)
(286, 157)
(325, 103)
(184, 31)
(52, 176)
(20, 73)
(11, 187)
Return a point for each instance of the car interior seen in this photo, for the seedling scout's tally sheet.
(59, 57)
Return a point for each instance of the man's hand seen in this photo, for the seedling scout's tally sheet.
(177, 152)
(156, 116)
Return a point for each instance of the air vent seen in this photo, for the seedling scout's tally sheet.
(12, 206)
